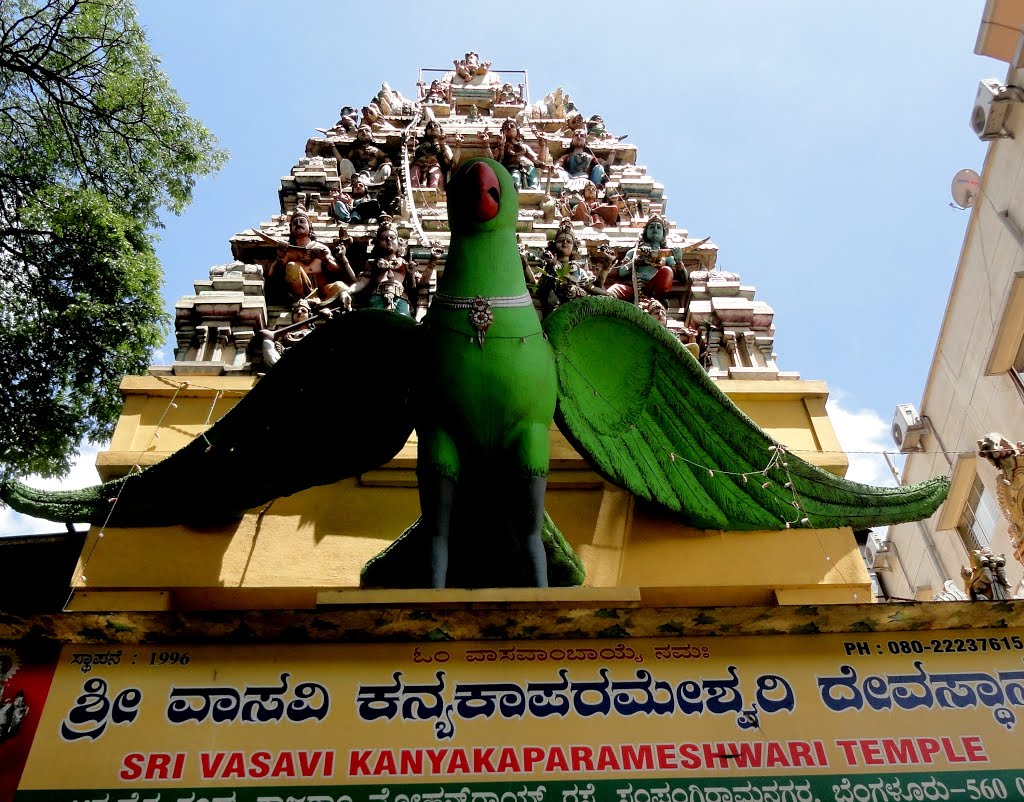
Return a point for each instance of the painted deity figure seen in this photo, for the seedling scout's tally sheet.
(341, 205)
(515, 155)
(436, 94)
(585, 209)
(372, 116)
(579, 163)
(364, 157)
(652, 262)
(508, 95)
(306, 267)
(391, 101)
(12, 714)
(363, 207)
(346, 121)
(610, 208)
(597, 131)
(390, 277)
(573, 122)
(275, 342)
(470, 66)
(565, 273)
(433, 159)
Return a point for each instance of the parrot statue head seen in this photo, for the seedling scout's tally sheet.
(483, 257)
(482, 197)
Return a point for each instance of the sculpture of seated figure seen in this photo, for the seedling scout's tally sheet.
(346, 121)
(302, 325)
(389, 277)
(373, 117)
(391, 101)
(651, 260)
(565, 274)
(341, 206)
(656, 310)
(585, 209)
(305, 267)
(436, 94)
(579, 163)
(364, 207)
(610, 208)
(433, 159)
(305, 314)
(573, 122)
(469, 67)
(596, 130)
(508, 95)
(568, 201)
(363, 157)
(515, 155)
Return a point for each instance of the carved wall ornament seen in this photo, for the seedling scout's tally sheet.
(986, 578)
(1009, 459)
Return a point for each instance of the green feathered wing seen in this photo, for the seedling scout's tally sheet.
(637, 404)
(326, 411)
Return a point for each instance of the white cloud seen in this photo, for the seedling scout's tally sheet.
(864, 435)
(83, 473)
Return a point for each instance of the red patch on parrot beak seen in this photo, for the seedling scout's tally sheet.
(481, 192)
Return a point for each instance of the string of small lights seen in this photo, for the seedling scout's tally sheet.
(775, 461)
(135, 468)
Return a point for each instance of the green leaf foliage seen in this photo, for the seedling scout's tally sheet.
(94, 144)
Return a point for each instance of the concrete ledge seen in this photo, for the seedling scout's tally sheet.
(492, 620)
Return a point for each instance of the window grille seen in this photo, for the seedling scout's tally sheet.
(979, 519)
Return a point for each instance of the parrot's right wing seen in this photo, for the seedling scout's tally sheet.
(334, 406)
(649, 418)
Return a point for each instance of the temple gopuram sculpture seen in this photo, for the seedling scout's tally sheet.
(430, 284)
(393, 159)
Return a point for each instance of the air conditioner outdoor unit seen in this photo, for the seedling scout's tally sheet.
(876, 553)
(991, 108)
(907, 428)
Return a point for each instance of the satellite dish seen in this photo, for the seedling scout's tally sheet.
(965, 188)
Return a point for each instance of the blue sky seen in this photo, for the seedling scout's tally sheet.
(814, 142)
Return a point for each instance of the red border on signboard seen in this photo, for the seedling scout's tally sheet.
(25, 678)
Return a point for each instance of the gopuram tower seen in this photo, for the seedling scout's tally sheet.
(389, 162)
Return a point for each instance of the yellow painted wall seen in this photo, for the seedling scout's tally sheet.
(316, 541)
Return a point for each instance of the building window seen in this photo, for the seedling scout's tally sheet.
(979, 519)
(1017, 370)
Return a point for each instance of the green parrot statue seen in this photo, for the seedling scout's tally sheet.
(481, 379)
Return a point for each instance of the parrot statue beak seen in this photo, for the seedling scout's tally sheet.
(479, 195)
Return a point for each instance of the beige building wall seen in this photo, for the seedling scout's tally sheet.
(969, 390)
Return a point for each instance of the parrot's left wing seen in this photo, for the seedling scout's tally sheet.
(331, 408)
(649, 418)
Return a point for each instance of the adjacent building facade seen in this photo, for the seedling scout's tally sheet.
(974, 386)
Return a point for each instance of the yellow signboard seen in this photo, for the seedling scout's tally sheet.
(911, 716)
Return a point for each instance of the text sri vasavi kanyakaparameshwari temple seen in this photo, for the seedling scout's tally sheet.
(475, 479)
